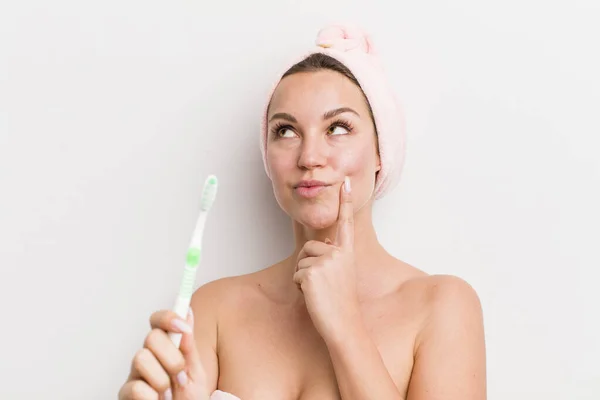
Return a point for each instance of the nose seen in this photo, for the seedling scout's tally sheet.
(313, 152)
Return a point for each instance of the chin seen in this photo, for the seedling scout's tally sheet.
(315, 216)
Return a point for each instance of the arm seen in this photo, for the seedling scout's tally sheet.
(359, 368)
(450, 350)
(325, 273)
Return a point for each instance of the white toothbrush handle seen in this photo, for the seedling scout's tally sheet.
(186, 290)
(182, 305)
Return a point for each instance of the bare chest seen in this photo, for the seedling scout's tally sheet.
(276, 353)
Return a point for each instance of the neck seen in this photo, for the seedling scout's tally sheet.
(369, 254)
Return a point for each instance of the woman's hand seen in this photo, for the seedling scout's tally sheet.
(325, 273)
(162, 371)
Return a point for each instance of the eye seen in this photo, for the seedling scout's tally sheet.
(285, 132)
(281, 130)
(338, 130)
(340, 127)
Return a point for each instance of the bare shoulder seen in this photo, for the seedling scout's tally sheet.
(442, 293)
(214, 304)
(453, 301)
(226, 293)
(449, 346)
(222, 291)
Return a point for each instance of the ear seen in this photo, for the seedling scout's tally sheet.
(378, 160)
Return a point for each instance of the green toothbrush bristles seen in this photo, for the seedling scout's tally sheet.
(189, 273)
(209, 193)
(193, 257)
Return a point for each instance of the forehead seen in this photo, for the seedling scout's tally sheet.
(318, 91)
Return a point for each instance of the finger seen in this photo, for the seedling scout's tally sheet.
(169, 321)
(149, 369)
(306, 262)
(313, 248)
(300, 277)
(137, 390)
(345, 228)
(191, 355)
(165, 351)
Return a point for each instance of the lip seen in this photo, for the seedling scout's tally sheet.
(310, 183)
(310, 188)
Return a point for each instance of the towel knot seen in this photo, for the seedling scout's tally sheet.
(345, 38)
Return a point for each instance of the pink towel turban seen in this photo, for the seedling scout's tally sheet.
(354, 48)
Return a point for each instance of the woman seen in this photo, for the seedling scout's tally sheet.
(340, 318)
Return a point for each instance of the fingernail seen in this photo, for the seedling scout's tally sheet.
(182, 378)
(168, 394)
(347, 185)
(182, 326)
(191, 315)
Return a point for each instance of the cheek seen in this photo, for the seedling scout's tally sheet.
(359, 162)
(280, 165)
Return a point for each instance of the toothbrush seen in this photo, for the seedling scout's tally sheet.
(192, 261)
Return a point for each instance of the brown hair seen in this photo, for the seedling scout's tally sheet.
(319, 61)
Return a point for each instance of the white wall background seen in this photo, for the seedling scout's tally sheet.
(113, 113)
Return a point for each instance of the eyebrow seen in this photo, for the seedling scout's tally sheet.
(327, 115)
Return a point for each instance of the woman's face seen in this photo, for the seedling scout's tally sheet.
(320, 129)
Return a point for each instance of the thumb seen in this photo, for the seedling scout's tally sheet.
(190, 353)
